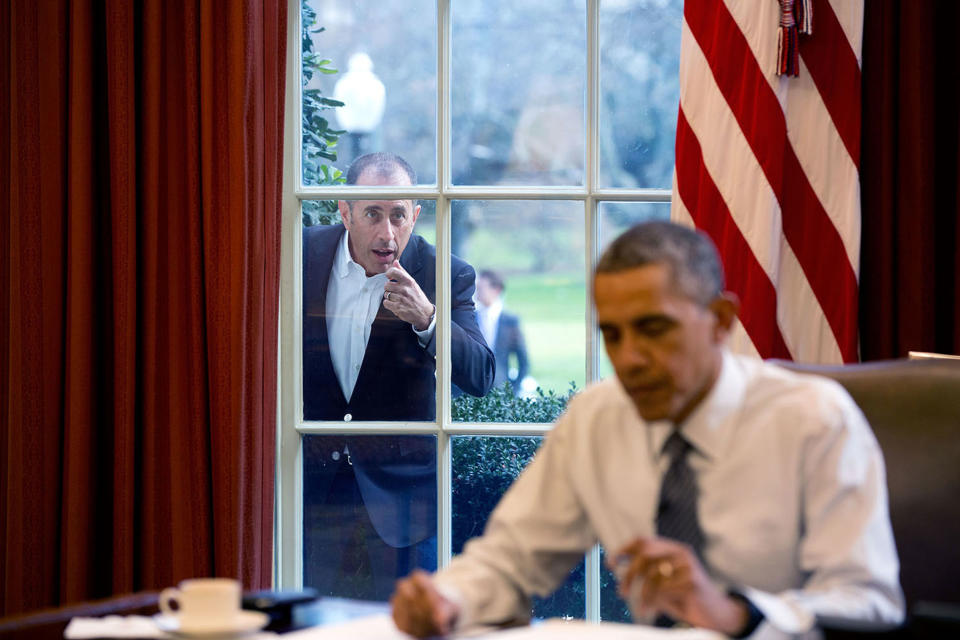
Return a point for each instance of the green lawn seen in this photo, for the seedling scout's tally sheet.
(550, 299)
(539, 254)
(552, 315)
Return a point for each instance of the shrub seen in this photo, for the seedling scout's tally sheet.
(485, 466)
(500, 405)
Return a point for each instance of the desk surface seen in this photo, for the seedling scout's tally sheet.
(380, 627)
(326, 612)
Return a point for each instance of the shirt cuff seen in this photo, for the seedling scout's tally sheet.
(784, 616)
(426, 336)
(465, 615)
(754, 615)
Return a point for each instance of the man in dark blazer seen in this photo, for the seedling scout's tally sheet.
(501, 330)
(369, 353)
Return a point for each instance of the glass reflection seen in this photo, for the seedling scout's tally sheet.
(518, 92)
(617, 217)
(384, 59)
(612, 607)
(483, 469)
(531, 296)
(639, 91)
(369, 512)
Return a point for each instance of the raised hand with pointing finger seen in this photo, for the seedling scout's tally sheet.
(404, 297)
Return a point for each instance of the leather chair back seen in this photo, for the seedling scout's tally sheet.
(913, 407)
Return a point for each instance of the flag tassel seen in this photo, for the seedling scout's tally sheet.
(796, 17)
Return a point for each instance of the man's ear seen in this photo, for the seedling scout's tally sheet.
(724, 308)
(344, 208)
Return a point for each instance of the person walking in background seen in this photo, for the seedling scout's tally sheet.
(501, 330)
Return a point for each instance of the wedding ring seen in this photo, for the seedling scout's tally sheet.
(665, 568)
(387, 295)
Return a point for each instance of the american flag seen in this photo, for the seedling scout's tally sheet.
(768, 166)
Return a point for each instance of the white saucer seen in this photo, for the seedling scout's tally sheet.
(244, 622)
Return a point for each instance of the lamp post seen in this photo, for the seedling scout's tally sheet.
(364, 97)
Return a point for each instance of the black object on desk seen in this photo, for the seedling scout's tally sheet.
(279, 605)
(293, 610)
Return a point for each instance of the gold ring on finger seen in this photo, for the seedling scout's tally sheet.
(665, 568)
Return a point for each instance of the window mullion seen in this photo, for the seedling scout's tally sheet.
(593, 93)
(591, 239)
(444, 368)
(444, 108)
(592, 567)
(288, 509)
(444, 457)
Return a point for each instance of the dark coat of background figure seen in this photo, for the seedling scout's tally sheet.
(510, 340)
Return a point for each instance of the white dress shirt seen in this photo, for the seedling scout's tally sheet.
(353, 300)
(488, 317)
(792, 502)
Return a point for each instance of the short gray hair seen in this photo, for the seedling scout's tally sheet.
(383, 164)
(694, 264)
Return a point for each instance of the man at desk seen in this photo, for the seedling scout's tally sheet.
(369, 351)
(732, 495)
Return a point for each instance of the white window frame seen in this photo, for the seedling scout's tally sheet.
(288, 538)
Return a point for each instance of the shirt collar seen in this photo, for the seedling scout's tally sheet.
(704, 426)
(344, 264)
(342, 260)
(493, 309)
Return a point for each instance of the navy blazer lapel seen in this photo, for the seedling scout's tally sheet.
(412, 258)
(386, 324)
(318, 257)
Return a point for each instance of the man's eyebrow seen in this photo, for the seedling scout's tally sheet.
(653, 317)
(642, 321)
(654, 320)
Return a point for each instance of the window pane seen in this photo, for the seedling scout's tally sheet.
(369, 512)
(360, 360)
(639, 91)
(483, 469)
(518, 92)
(612, 607)
(385, 54)
(535, 321)
(615, 218)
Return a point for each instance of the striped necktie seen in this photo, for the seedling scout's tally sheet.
(677, 512)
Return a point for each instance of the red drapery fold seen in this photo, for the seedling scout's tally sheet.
(909, 176)
(138, 316)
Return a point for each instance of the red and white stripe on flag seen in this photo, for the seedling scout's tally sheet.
(768, 166)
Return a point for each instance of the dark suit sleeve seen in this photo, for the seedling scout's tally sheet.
(472, 361)
(519, 347)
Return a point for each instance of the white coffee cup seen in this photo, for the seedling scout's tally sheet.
(202, 600)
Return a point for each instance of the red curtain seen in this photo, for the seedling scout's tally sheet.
(139, 255)
(910, 179)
